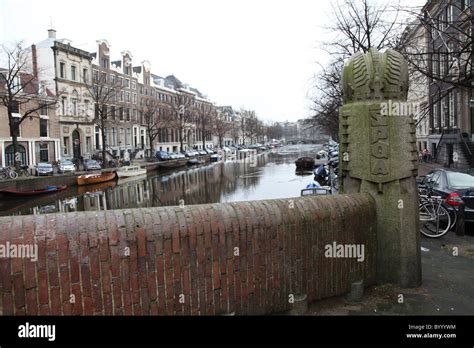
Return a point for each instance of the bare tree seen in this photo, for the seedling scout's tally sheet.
(273, 130)
(357, 26)
(20, 91)
(108, 104)
(204, 115)
(182, 115)
(221, 126)
(155, 115)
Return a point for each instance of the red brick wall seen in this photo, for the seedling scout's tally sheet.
(188, 251)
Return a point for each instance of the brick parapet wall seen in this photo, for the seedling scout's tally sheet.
(245, 257)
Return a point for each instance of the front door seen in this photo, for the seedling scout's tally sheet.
(76, 144)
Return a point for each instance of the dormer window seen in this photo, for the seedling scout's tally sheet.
(105, 63)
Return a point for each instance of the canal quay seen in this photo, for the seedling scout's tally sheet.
(270, 175)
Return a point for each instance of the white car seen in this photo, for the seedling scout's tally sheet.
(66, 166)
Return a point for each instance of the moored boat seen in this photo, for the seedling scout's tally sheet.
(95, 178)
(129, 171)
(173, 163)
(305, 163)
(47, 189)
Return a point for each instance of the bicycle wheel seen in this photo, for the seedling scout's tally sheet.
(434, 219)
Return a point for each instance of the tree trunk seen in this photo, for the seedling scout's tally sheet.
(152, 149)
(104, 150)
(203, 140)
(14, 132)
(181, 140)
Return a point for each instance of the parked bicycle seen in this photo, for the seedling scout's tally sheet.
(8, 173)
(24, 171)
(435, 219)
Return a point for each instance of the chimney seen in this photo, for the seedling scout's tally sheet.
(51, 33)
(34, 60)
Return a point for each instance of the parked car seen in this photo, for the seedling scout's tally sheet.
(172, 155)
(202, 152)
(179, 155)
(91, 164)
(66, 166)
(44, 168)
(454, 187)
(162, 155)
(189, 153)
(209, 151)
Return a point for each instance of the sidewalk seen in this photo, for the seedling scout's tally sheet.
(447, 288)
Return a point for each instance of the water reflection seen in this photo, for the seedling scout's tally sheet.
(270, 175)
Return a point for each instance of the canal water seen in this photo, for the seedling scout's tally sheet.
(270, 175)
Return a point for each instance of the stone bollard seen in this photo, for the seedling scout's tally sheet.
(300, 306)
(378, 156)
(357, 291)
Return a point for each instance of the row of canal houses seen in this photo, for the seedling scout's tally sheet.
(66, 129)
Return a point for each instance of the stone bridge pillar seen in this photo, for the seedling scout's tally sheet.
(378, 155)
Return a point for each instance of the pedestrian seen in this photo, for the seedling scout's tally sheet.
(425, 155)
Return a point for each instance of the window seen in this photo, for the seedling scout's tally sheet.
(122, 137)
(127, 114)
(451, 109)
(74, 106)
(441, 64)
(112, 112)
(95, 75)
(129, 136)
(43, 127)
(86, 107)
(103, 77)
(62, 70)
(112, 79)
(66, 145)
(120, 81)
(105, 63)
(444, 111)
(134, 98)
(127, 97)
(121, 114)
(43, 153)
(16, 127)
(63, 105)
(126, 70)
(127, 83)
(435, 115)
(449, 13)
(134, 85)
(88, 145)
(121, 96)
(73, 72)
(84, 75)
(114, 142)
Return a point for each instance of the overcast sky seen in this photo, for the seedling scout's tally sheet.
(260, 54)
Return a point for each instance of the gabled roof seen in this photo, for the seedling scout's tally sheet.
(30, 84)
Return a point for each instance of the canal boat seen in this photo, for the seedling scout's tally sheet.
(129, 171)
(96, 187)
(47, 189)
(304, 163)
(95, 178)
(130, 179)
(195, 161)
(173, 163)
